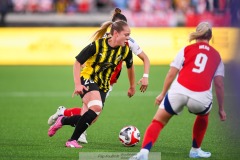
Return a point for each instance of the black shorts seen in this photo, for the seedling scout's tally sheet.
(92, 86)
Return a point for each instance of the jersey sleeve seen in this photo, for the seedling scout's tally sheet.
(220, 70)
(134, 47)
(86, 53)
(178, 61)
(129, 59)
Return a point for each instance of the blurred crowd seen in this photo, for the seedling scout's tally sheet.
(171, 9)
(87, 6)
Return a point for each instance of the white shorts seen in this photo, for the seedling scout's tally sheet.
(174, 103)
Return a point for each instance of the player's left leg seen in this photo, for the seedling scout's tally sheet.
(199, 128)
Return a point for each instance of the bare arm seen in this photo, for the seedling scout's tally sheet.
(219, 88)
(172, 73)
(144, 80)
(76, 77)
(131, 78)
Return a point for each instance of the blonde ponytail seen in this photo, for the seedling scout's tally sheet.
(101, 31)
(203, 31)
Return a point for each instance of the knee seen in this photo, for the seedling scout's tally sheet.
(95, 105)
(162, 116)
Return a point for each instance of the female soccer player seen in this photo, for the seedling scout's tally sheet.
(196, 65)
(117, 15)
(100, 59)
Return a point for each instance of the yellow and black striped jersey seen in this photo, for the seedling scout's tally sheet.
(100, 61)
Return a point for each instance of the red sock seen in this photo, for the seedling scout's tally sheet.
(72, 111)
(199, 130)
(152, 134)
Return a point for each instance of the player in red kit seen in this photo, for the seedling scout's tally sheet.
(190, 79)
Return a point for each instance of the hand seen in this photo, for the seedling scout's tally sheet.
(144, 84)
(222, 115)
(79, 89)
(131, 91)
(159, 99)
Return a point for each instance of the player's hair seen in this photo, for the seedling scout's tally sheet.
(203, 31)
(116, 26)
(117, 15)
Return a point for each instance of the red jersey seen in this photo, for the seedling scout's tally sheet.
(200, 64)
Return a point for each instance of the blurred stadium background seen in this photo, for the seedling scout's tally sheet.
(64, 27)
(142, 13)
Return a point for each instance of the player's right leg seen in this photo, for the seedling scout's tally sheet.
(199, 130)
(94, 100)
(152, 133)
(83, 137)
(164, 113)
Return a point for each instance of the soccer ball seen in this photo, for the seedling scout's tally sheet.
(129, 136)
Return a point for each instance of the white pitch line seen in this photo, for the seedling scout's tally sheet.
(69, 94)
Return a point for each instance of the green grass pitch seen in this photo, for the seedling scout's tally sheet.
(30, 94)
